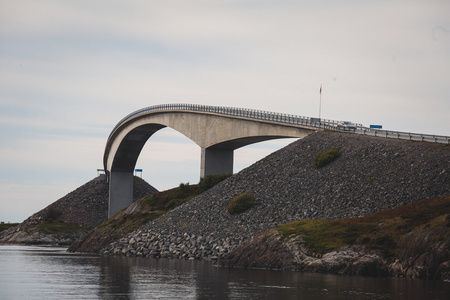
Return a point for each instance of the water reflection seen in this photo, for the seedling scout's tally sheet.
(115, 279)
(51, 273)
(172, 279)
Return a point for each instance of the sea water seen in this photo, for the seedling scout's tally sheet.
(30, 272)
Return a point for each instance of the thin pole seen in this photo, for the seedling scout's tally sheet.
(320, 102)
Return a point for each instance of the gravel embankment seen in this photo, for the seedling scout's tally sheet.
(370, 175)
(85, 206)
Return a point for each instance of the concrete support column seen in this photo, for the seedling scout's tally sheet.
(216, 161)
(120, 191)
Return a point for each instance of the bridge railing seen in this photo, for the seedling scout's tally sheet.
(224, 110)
(405, 135)
(282, 118)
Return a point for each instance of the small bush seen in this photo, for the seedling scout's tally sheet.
(183, 190)
(241, 203)
(209, 181)
(52, 214)
(151, 200)
(327, 157)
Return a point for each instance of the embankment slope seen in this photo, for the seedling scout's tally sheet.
(371, 174)
(71, 216)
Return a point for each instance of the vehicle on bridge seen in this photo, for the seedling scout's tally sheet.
(346, 125)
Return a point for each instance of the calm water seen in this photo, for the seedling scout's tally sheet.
(50, 273)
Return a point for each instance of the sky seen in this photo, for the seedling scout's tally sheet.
(70, 70)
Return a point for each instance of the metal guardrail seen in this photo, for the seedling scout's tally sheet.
(405, 135)
(284, 119)
(229, 111)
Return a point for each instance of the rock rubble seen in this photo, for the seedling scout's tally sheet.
(85, 206)
(371, 174)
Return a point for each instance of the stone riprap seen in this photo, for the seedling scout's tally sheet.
(370, 174)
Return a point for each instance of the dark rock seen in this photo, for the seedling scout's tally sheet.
(86, 206)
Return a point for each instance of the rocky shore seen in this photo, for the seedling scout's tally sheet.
(268, 251)
(371, 174)
(423, 253)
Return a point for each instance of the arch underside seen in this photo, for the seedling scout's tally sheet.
(131, 146)
(217, 137)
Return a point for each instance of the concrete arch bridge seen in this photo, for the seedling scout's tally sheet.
(217, 130)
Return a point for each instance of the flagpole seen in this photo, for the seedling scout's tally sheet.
(320, 103)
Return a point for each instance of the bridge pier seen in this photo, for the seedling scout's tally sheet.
(120, 191)
(216, 161)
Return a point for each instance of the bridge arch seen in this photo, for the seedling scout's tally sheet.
(218, 131)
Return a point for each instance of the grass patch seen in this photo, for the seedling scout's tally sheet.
(322, 236)
(60, 228)
(327, 157)
(241, 203)
(151, 207)
(128, 223)
(378, 231)
(168, 200)
(5, 226)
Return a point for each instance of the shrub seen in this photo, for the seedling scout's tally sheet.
(241, 203)
(209, 181)
(183, 190)
(52, 214)
(327, 157)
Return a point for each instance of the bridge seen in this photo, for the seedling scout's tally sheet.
(217, 130)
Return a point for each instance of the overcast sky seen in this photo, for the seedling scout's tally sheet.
(70, 70)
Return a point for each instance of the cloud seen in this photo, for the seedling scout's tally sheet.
(72, 69)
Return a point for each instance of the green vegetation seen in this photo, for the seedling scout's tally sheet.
(327, 157)
(130, 222)
(211, 180)
(241, 203)
(52, 214)
(379, 231)
(4, 226)
(168, 200)
(183, 190)
(60, 228)
(149, 208)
